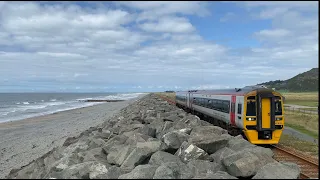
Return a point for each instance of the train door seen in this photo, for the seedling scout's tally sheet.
(265, 112)
(232, 113)
(239, 111)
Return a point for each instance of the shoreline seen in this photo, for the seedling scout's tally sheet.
(23, 141)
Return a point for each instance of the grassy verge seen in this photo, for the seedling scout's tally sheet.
(303, 99)
(311, 103)
(168, 95)
(305, 123)
(303, 146)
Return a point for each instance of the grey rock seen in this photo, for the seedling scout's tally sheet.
(160, 157)
(119, 153)
(154, 146)
(148, 131)
(174, 139)
(167, 125)
(96, 154)
(136, 157)
(278, 171)
(172, 118)
(113, 173)
(116, 140)
(260, 150)
(245, 163)
(140, 172)
(238, 143)
(205, 130)
(173, 170)
(210, 143)
(185, 130)
(202, 167)
(83, 170)
(96, 142)
(221, 153)
(135, 137)
(188, 151)
(216, 175)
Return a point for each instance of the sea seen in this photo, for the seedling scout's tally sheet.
(17, 106)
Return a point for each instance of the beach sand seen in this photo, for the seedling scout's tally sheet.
(25, 140)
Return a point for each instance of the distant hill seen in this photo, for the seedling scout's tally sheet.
(304, 82)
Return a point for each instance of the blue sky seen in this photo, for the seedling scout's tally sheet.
(153, 46)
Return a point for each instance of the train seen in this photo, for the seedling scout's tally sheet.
(255, 112)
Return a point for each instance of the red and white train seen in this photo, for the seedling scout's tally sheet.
(254, 111)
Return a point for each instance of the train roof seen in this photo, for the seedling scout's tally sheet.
(235, 91)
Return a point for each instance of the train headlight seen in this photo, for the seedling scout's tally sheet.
(251, 119)
(278, 118)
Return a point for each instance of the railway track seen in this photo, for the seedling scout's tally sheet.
(309, 167)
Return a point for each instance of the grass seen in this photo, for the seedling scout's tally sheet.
(305, 123)
(304, 146)
(168, 95)
(303, 99)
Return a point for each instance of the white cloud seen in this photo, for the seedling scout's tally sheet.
(169, 24)
(146, 45)
(274, 33)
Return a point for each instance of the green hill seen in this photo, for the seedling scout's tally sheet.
(304, 82)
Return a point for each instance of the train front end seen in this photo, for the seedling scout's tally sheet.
(264, 118)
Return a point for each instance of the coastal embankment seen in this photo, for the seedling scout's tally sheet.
(152, 139)
(25, 140)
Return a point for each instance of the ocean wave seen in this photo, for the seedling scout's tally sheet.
(27, 110)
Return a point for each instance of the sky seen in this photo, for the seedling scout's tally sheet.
(154, 46)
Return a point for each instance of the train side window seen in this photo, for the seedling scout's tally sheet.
(209, 103)
(239, 108)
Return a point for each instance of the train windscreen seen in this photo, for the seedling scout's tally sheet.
(251, 106)
(278, 106)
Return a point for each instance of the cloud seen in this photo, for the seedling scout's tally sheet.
(149, 45)
(274, 33)
(169, 25)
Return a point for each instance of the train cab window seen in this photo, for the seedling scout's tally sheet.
(239, 108)
(278, 106)
(251, 108)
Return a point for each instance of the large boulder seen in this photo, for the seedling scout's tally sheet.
(136, 157)
(116, 140)
(188, 151)
(238, 143)
(210, 143)
(202, 167)
(154, 145)
(245, 163)
(174, 139)
(140, 172)
(221, 153)
(148, 131)
(118, 154)
(160, 157)
(207, 130)
(173, 170)
(278, 170)
(96, 154)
